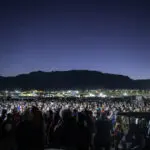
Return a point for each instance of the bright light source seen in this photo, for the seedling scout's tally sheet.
(91, 95)
(6, 91)
(102, 95)
(78, 96)
(125, 94)
(77, 92)
(16, 91)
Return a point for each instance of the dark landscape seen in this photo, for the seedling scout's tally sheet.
(74, 79)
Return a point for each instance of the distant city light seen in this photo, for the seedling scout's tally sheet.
(102, 95)
(125, 94)
(16, 91)
(6, 91)
(91, 95)
(75, 93)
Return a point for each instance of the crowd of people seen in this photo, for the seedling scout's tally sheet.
(72, 125)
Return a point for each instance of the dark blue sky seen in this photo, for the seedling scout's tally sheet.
(109, 36)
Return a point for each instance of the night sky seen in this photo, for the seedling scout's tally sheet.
(109, 36)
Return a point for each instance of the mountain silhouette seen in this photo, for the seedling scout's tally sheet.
(74, 79)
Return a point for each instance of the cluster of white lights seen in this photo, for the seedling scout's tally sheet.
(102, 95)
(91, 95)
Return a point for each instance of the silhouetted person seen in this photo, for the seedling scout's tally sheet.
(102, 137)
(37, 136)
(84, 137)
(24, 133)
(7, 126)
(65, 133)
(30, 131)
(51, 127)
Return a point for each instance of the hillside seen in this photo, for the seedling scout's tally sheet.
(75, 79)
